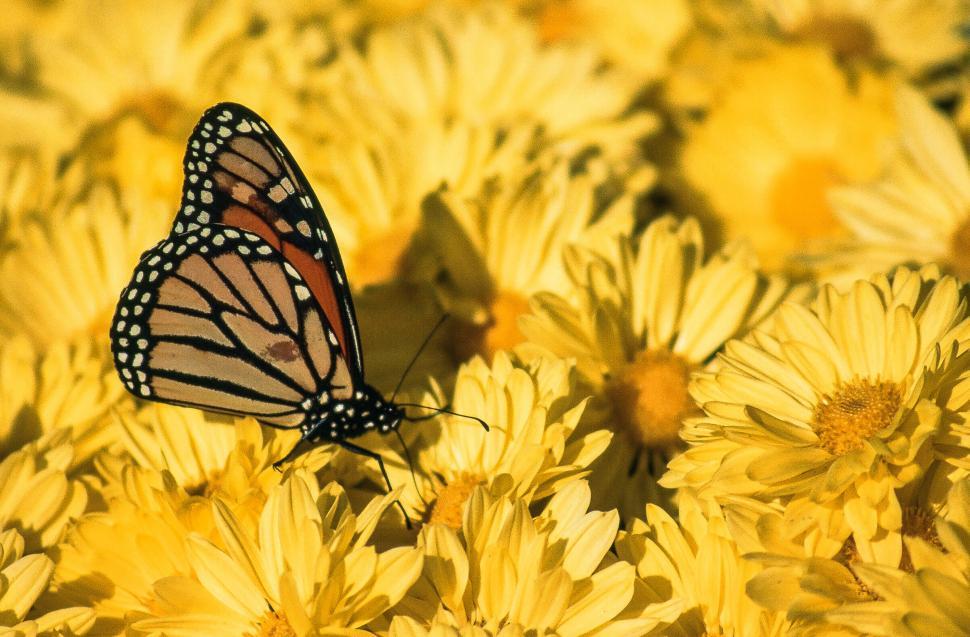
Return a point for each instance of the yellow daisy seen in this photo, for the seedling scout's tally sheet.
(919, 210)
(697, 563)
(832, 406)
(309, 569)
(23, 579)
(637, 323)
(532, 411)
(507, 571)
(401, 115)
(69, 388)
(205, 455)
(914, 34)
(36, 495)
(928, 599)
(61, 280)
(110, 560)
(488, 255)
(782, 132)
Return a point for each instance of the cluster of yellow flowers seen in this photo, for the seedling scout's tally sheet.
(706, 262)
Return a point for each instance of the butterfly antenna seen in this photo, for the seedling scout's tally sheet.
(427, 339)
(444, 410)
(407, 455)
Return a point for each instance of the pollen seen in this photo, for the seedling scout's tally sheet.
(448, 507)
(798, 198)
(960, 250)
(854, 412)
(274, 624)
(499, 332)
(650, 398)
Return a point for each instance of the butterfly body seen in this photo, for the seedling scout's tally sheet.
(245, 308)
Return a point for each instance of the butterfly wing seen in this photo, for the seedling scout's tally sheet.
(238, 173)
(217, 318)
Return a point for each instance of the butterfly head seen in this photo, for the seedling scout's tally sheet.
(365, 410)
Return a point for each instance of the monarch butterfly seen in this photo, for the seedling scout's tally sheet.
(245, 308)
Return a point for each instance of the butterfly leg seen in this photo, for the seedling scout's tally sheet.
(351, 447)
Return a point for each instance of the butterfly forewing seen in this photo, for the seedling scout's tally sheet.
(238, 173)
(216, 318)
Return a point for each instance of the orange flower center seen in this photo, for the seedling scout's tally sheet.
(558, 20)
(380, 256)
(650, 398)
(798, 198)
(854, 412)
(960, 250)
(449, 504)
(500, 332)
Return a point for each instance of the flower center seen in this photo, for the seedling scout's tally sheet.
(380, 256)
(500, 332)
(960, 250)
(854, 412)
(275, 624)
(449, 506)
(798, 198)
(650, 398)
(158, 109)
(557, 21)
(847, 556)
(846, 36)
(919, 523)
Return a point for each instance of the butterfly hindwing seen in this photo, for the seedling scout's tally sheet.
(238, 173)
(216, 318)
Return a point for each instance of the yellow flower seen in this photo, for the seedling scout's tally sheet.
(786, 129)
(638, 35)
(206, 455)
(490, 254)
(61, 281)
(25, 189)
(309, 569)
(507, 571)
(919, 211)
(532, 412)
(915, 34)
(696, 564)
(70, 388)
(832, 406)
(23, 578)
(637, 323)
(37, 497)
(931, 596)
(452, 97)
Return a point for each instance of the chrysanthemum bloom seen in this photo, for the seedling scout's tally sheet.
(308, 570)
(494, 252)
(919, 211)
(508, 572)
(69, 388)
(924, 595)
(913, 34)
(929, 599)
(785, 130)
(832, 406)
(638, 323)
(206, 455)
(532, 447)
(36, 495)
(61, 280)
(22, 579)
(698, 564)
(161, 561)
(452, 97)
